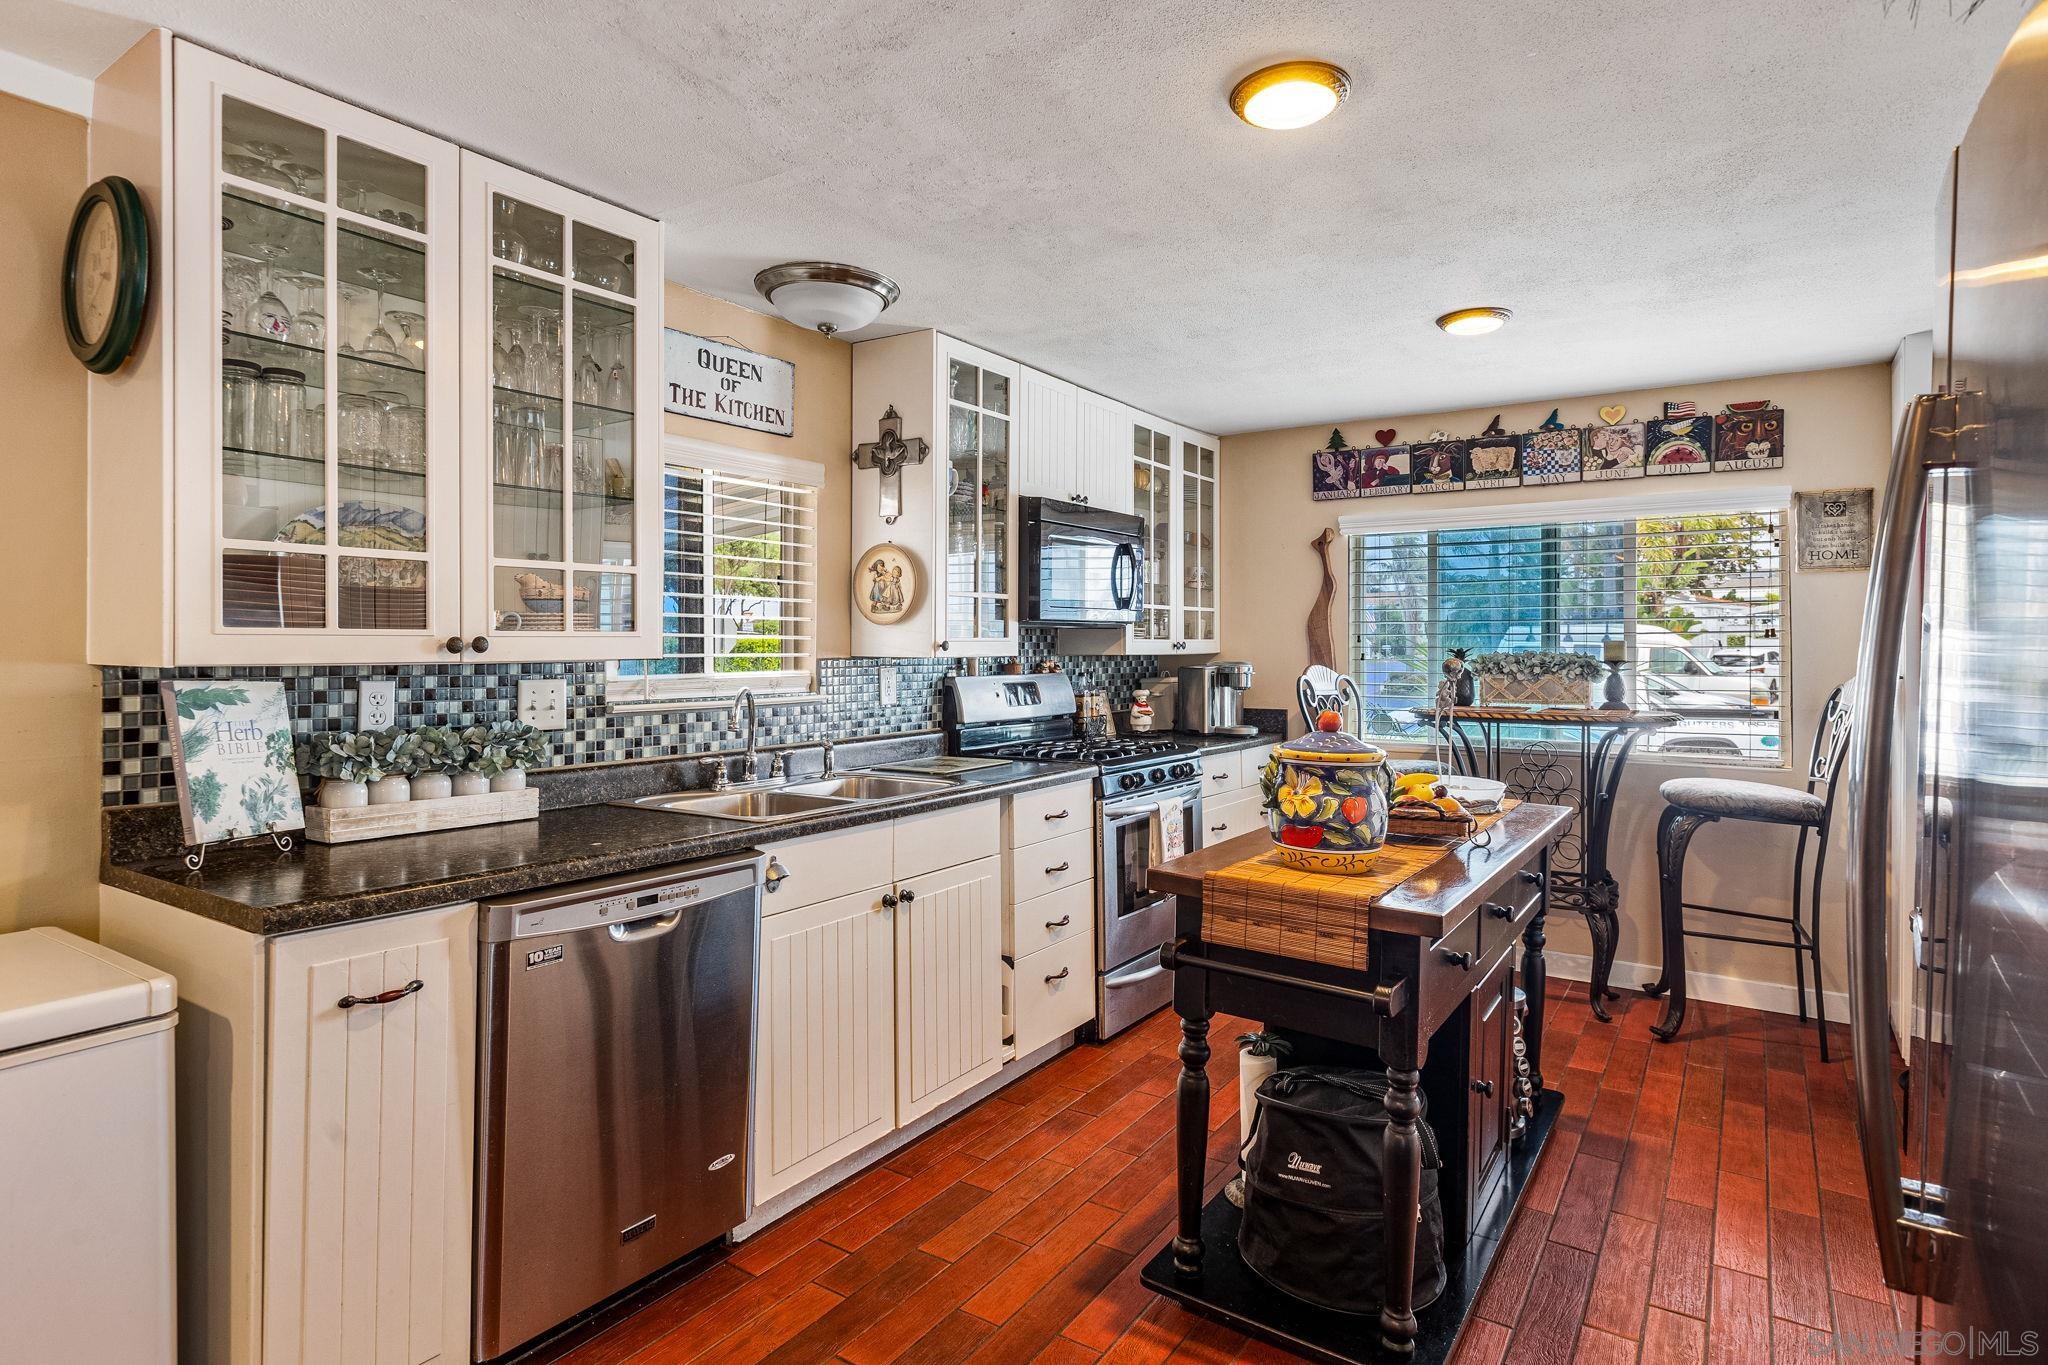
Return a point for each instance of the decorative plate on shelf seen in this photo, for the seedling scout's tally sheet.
(885, 583)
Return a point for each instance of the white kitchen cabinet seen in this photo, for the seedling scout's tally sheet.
(286, 472)
(366, 1246)
(1103, 440)
(324, 1153)
(561, 385)
(958, 509)
(949, 997)
(1175, 487)
(1048, 438)
(825, 1037)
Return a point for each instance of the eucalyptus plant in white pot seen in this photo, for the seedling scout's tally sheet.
(438, 754)
(519, 746)
(478, 761)
(347, 764)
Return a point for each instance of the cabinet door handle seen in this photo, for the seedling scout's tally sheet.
(1219, 777)
(775, 875)
(1482, 1087)
(1055, 870)
(453, 644)
(1463, 960)
(412, 987)
(1062, 922)
(908, 895)
(1218, 829)
(1056, 815)
(1060, 975)
(1499, 911)
(888, 900)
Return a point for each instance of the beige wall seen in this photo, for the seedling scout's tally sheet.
(49, 699)
(1838, 435)
(824, 394)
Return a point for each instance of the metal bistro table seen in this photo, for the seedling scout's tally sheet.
(1580, 877)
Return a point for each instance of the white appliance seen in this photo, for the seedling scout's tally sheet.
(87, 1267)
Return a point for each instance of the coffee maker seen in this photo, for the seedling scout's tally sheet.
(1210, 699)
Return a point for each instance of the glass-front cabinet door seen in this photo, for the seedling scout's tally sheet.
(1198, 486)
(562, 481)
(317, 345)
(978, 523)
(1152, 500)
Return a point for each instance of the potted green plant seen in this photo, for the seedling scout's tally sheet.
(438, 755)
(478, 761)
(1542, 677)
(519, 746)
(400, 754)
(346, 764)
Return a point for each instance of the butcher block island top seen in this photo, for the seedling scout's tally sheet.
(1428, 967)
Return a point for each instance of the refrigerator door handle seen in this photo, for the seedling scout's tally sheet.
(1911, 1234)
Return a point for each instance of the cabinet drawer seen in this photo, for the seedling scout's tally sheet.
(1038, 816)
(1043, 868)
(1236, 813)
(824, 866)
(947, 838)
(1250, 763)
(1045, 920)
(1054, 992)
(1220, 773)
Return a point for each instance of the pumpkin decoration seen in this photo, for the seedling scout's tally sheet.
(1326, 799)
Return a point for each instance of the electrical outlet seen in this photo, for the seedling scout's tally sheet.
(888, 685)
(544, 703)
(376, 703)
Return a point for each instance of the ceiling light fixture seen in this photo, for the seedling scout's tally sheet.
(1474, 322)
(826, 295)
(1290, 94)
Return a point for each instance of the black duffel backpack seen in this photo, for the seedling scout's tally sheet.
(1314, 1192)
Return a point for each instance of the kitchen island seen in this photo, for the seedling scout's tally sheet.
(1435, 1008)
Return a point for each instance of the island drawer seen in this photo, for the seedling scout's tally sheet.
(1041, 815)
(1504, 914)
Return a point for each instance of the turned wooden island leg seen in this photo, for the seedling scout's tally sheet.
(1401, 1167)
(1192, 1140)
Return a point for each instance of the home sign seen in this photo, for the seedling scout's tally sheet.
(721, 382)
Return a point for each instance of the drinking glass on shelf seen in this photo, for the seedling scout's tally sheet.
(358, 427)
(506, 243)
(544, 349)
(405, 434)
(309, 324)
(413, 343)
(280, 394)
(270, 168)
(516, 375)
(618, 380)
(379, 343)
(237, 401)
(268, 317)
(389, 452)
(240, 283)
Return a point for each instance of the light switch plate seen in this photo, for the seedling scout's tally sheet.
(376, 703)
(544, 702)
(888, 685)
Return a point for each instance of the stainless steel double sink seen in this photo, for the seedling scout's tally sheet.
(792, 800)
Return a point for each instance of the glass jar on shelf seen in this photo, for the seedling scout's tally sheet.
(237, 401)
(358, 427)
(280, 394)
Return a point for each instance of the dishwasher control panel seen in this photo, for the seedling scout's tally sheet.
(657, 901)
(565, 912)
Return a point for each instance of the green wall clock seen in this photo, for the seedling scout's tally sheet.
(106, 274)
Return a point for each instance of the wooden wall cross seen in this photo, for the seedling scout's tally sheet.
(1322, 644)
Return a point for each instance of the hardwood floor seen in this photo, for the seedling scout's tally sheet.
(1701, 1201)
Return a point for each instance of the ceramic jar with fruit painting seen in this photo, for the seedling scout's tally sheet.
(1326, 799)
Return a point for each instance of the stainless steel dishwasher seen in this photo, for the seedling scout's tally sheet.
(615, 1027)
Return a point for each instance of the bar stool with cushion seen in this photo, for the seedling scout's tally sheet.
(1692, 802)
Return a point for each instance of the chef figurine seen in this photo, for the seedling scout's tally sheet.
(1141, 711)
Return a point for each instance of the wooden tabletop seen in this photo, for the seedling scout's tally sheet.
(1428, 902)
(1538, 714)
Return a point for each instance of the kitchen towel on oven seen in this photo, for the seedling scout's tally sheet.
(1169, 831)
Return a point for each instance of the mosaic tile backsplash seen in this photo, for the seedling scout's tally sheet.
(135, 755)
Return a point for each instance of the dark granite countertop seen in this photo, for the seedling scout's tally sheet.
(1225, 743)
(265, 892)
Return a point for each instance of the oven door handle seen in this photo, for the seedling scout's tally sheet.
(1129, 813)
(1113, 980)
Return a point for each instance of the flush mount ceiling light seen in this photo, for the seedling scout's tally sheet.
(1290, 94)
(1474, 322)
(826, 295)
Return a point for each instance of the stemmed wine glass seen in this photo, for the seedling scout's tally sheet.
(618, 381)
(309, 324)
(544, 359)
(272, 168)
(379, 342)
(413, 349)
(589, 374)
(268, 317)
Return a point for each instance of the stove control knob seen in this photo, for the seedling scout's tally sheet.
(1157, 774)
(1183, 770)
(1130, 780)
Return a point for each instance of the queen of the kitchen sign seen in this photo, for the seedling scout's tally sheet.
(723, 383)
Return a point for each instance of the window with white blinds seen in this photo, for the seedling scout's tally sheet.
(739, 584)
(1695, 597)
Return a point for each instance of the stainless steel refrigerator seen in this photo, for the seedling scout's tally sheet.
(1956, 1156)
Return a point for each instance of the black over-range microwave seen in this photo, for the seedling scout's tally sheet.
(1079, 565)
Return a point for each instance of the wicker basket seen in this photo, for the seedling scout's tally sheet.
(1552, 689)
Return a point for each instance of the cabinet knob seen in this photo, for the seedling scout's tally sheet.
(1463, 960)
(480, 644)
(908, 895)
(888, 900)
(944, 646)
(1531, 878)
(453, 644)
(1499, 911)
(1482, 1087)
(775, 875)
(412, 987)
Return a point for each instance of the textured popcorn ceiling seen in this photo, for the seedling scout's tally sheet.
(1662, 191)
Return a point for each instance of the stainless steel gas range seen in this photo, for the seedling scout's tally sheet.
(1030, 718)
